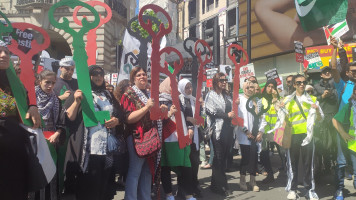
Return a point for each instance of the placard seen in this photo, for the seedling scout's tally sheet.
(227, 69)
(246, 71)
(209, 76)
(314, 61)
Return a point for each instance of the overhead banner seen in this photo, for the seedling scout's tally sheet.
(245, 72)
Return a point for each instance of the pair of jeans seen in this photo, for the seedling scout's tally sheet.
(139, 177)
(343, 154)
(307, 154)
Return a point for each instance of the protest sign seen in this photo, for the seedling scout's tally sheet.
(246, 71)
(227, 69)
(273, 74)
(209, 76)
(325, 52)
(314, 61)
(299, 51)
(114, 78)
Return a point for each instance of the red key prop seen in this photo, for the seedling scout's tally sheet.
(155, 56)
(157, 68)
(91, 46)
(237, 120)
(200, 47)
(27, 75)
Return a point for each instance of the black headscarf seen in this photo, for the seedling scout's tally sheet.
(269, 97)
(94, 87)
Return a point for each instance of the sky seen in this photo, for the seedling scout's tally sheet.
(137, 6)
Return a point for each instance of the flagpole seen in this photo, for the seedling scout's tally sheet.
(301, 68)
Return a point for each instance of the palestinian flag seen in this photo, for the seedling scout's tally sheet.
(336, 30)
(315, 14)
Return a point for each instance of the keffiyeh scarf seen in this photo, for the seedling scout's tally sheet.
(282, 112)
(215, 103)
(48, 105)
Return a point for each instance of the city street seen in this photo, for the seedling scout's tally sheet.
(275, 190)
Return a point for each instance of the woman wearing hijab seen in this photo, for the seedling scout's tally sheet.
(245, 136)
(50, 107)
(13, 156)
(218, 107)
(92, 149)
(188, 102)
(269, 96)
(174, 158)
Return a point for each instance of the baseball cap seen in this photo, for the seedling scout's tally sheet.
(66, 62)
(325, 69)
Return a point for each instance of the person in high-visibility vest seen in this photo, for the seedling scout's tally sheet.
(302, 118)
(268, 121)
(345, 124)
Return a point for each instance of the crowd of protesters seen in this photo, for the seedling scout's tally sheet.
(320, 118)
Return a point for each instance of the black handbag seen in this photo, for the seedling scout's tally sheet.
(208, 132)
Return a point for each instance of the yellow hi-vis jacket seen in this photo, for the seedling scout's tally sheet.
(352, 144)
(299, 123)
(270, 116)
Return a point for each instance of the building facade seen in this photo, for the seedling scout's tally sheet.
(36, 12)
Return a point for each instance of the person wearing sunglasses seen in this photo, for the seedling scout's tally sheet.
(325, 133)
(344, 87)
(66, 84)
(218, 107)
(302, 111)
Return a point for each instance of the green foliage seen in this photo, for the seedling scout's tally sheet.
(135, 26)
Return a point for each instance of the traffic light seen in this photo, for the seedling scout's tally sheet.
(212, 37)
(237, 53)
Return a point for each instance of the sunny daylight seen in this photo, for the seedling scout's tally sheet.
(177, 99)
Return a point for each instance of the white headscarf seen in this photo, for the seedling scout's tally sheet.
(181, 88)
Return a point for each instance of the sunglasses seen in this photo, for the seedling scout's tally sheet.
(300, 82)
(223, 80)
(253, 81)
(97, 73)
(310, 91)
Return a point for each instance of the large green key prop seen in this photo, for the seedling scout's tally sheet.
(90, 116)
(17, 87)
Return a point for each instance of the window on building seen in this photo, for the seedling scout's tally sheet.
(231, 19)
(192, 7)
(193, 31)
(209, 5)
(216, 3)
(203, 6)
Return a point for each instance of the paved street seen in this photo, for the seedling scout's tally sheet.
(275, 191)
